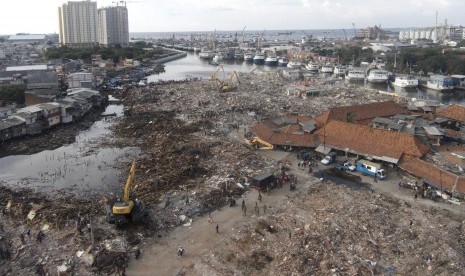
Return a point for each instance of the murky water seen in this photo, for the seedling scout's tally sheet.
(193, 66)
(79, 168)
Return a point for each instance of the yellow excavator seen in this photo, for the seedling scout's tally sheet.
(228, 84)
(125, 209)
(259, 143)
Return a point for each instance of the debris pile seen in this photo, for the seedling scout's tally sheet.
(327, 232)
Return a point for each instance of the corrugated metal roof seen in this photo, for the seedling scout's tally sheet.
(27, 37)
(26, 68)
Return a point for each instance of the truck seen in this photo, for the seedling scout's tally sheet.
(370, 168)
(328, 159)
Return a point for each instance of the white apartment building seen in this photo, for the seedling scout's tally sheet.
(113, 26)
(78, 23)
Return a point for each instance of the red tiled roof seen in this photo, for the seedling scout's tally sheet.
(440, 177)
(285, 135)
(370, 141)
(361, 114)
(454, 112)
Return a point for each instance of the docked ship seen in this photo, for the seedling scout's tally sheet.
(440, 83)
(259, 58)
(282, 62)
(340, 70)
(248, 57)
(312, 66)
(378, 76)
(294, 64)
(238, 55)
(356, 73)
(327, 68)
(405, 81)
(206, 54)
(271, 59)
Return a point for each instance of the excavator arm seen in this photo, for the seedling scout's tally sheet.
(129, 181)
(259, 143)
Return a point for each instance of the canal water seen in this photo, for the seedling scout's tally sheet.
(193, 66)
(83, 168)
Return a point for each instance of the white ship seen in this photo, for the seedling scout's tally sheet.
(340, 70)
(206, 54)
(248, 56)
(378, 75)
(327, 68)
(405, 81)
(259, 58)
(312, 66)
(356, 74)
(440, 83)
(294, 64)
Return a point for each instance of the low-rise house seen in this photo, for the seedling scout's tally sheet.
(435, 176)
(6, 111)
(287, 131)
(81, 80)
(372, 143)
(361, 114)
(388, 124)
(91, 96)
(454, 115)
(11, 128)
(34, 118)
(52, 113)
(74, 108)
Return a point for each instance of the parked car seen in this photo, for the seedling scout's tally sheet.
(330, 158)
(349, 166)
(341, 167)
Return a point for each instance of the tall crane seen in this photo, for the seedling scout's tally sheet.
(242, 34)
(345, 35)
(355, 32)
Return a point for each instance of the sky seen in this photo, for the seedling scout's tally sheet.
(41, 16)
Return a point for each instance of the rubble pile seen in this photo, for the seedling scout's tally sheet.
(326, 232)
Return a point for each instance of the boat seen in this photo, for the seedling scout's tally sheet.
(440, 83)
(405, 81)
(340, 70)
(197, 50)
(294, 64)
(283, 62)
(378, 75)
(206, 54)
(218, 57)
(248, 57)
(228, 54)
(259, 58)
(327, 68)
(271, 59)
(312, 66)
(458, 81)
(356, 73)
(238, 55)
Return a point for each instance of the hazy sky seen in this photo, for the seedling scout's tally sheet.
(41, 16)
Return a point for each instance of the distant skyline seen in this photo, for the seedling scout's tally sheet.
(34, 16)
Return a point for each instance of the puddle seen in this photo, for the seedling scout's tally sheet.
(82, 168)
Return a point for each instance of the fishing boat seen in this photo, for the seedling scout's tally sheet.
(248, 57)
(378, 75)
(327, 68)
(294, 64)
(282, 62)
(238, 55)
(259, 58)
(405, 81)
(356, 73)
(271, 59)
(312, 66)
(340, 70)
(206, 54)
(218, 57)
(440, 83)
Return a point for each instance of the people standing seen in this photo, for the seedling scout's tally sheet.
(217, 227)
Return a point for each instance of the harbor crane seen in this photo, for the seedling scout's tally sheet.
(345, 35)
(355, 32)
(242, 34)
